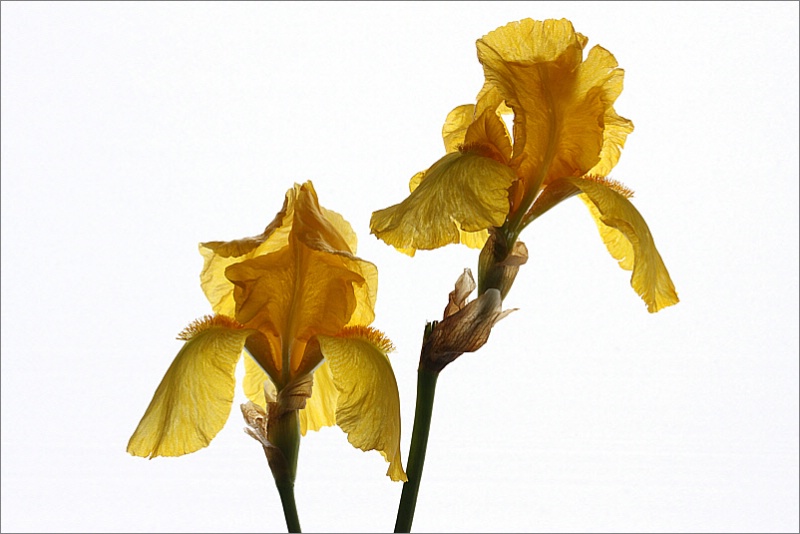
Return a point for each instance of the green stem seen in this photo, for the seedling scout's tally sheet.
(286, 492)
(286, 437)
(426, 389)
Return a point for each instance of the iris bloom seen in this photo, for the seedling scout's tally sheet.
(566, 139)
(300, 302)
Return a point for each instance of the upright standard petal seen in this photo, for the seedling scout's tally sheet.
(463, 191)
(368, 407)
(194, 399)
(293, 294)
(219, 255)
(618, 219)
(561, 106)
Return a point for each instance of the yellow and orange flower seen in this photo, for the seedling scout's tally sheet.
(300, 302)
(566, 139)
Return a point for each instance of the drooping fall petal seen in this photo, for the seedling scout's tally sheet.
(619, 221)
(368, 407)
(463, 191)
(194, 399)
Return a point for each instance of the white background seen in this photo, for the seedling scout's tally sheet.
(131, 132)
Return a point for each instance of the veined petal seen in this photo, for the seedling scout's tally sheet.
(560, 105)
(462, 191)
(320, 408)
(194, 399)
(369, 404)
(300, 205)
(294, 294)
(650, 278)
(254, 383)
(219, 255)
(455, 127)
(326, 231)
(490, 131)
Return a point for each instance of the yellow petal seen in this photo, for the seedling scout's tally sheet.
(455, 127)
(490, 131)
(462, 191)
(294, 294)
(253, 383)
(320, 408)
(559, 104)
(369, 404)
(328, 232)
(194, 398)
(219, 255)
(619, 222)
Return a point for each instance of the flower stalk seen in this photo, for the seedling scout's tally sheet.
(286, 438)
(426, 390)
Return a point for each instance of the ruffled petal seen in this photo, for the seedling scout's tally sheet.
(619, 221)
(219, 255)
(300, 205)
(462, 191)
(560, 105)
(368, 407)
(194, 399)
(294, 293)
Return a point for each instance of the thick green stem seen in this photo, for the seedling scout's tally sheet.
(426, 389)
(285, 436)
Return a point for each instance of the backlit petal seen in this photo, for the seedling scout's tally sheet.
(462, 191)
(320, 408)
(650, 278)
(194, 399)
(369, 404)
(219, 255)
(560, 105)
(455, 127)
(253, 383)
(294, 294)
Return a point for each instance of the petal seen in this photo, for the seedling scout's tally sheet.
(254, 382)
(368, 407)
(194, 398)
(294, 294)
(619, 222)
(326, 231)
(301, 205)
(560, 105)
(490, 131)
(219, 255)
(463, 191)
(455, 126)
(320, 408)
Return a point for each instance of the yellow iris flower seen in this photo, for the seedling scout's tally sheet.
(300, 302)
(566, 139)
